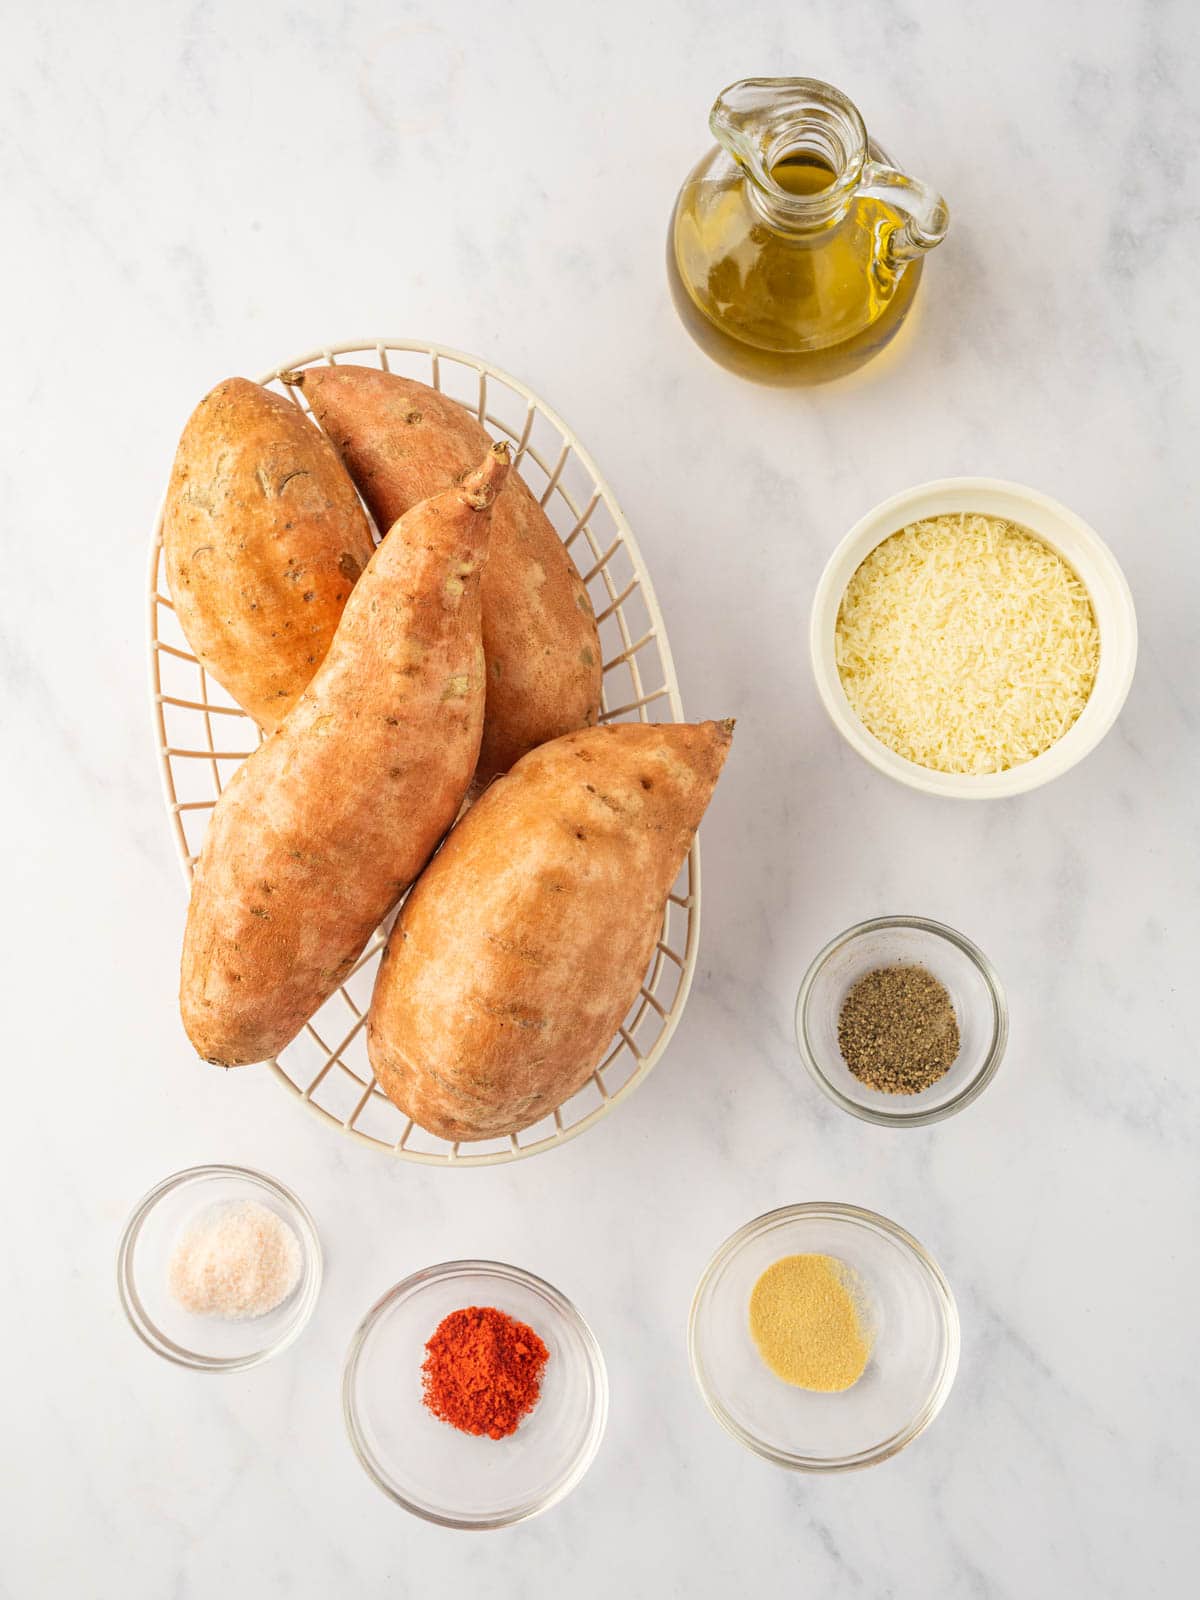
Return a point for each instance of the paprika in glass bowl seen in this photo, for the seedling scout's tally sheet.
(436, 1442)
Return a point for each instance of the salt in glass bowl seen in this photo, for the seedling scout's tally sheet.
(909, 1311)
(974, 989)
(431, 1468)
(209, 1343)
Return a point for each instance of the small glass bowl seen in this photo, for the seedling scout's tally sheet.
(914, 1355)
(429, 1467)
(210, 1344)
(973, 986)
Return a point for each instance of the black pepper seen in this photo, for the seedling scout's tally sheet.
(897, 1030)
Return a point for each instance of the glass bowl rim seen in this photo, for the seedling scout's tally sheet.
(972, 1089)
(861, 1216)
(144, 1325)
(504, 1272)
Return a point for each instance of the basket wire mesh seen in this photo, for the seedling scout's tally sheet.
(203, 736)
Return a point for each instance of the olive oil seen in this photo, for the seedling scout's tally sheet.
(799, 172)
(780, 304)
(796, 247)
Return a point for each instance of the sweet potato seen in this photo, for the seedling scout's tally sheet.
(264, 537)
(328, 822)
(401, 441)
(523, 945)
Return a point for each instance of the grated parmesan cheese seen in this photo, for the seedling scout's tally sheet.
(965, 644)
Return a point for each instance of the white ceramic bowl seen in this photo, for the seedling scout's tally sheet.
(1063, 531)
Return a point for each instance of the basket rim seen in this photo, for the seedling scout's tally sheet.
(328, 353)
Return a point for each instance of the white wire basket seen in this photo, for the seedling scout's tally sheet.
(203, 736)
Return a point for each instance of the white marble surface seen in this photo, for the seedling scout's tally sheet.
(193, 190)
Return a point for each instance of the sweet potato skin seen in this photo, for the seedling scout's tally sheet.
(524, 944)
(323, 828)
(264, 538)
(402, 441)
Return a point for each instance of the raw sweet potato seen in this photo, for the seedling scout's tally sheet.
(525, 942)
(328, 822)
(401, 441)
(264, 537)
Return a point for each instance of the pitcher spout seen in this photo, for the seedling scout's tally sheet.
(763, 122)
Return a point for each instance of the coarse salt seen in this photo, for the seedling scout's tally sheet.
(235, 1259)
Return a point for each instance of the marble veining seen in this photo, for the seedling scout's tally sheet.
(196, 189)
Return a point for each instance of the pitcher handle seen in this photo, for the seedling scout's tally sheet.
(926, 215)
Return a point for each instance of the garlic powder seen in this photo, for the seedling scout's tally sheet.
(234, 1259)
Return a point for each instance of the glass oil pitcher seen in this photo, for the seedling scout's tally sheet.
(796, 247)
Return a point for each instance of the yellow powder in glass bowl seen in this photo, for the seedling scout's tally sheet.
(806, 1317)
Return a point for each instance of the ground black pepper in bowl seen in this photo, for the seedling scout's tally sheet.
(897, 1030)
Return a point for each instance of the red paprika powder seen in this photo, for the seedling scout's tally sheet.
(483, 1371)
